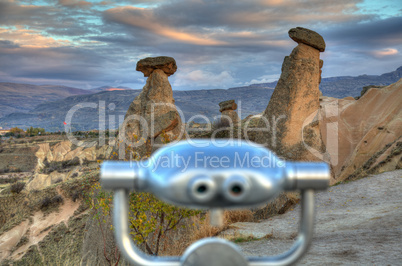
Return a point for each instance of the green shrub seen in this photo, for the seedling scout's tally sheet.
(45, 203)
(56, 200)
(59, 166)
(9, 180)
(17, 187)
(74, 175)
(48, 202)
(10, 169)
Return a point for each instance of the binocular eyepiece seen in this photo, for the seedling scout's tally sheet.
(236, 188)
(204, 189)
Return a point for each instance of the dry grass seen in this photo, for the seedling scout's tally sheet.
(239, 238)
(280, 205)
(198, 227)
(205, 229)
(235, 216)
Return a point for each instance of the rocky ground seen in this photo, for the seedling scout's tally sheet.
(357, 223)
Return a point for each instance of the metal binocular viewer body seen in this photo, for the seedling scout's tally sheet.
(214, 175)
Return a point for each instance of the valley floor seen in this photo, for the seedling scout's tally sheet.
(357, 223)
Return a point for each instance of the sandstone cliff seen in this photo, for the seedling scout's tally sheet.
(63, 152)
(363, 136)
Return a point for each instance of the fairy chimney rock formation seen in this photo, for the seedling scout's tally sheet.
(309, 37)
(228, 113)
(152, 116)
(149, 64)
(295, 100)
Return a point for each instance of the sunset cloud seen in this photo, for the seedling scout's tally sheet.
(144, 19)
(216, 43)
(13, 13)
(200, 78)
(385, 52)
(74, 3)
(30, 38)
(263, 79)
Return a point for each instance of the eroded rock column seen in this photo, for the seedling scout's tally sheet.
(292, 107)
(228, 113)
(152, 117)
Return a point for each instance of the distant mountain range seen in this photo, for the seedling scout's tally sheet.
(25, 97)
(15, 97)
(341, 87)
(344, 86)
(51, 112)
(51, 115)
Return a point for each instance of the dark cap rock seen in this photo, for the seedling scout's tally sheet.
(309, 37)
(227, 105)
(149, 64)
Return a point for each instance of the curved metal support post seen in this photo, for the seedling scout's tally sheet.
(137, 257)
(303, 240)
(123, 239)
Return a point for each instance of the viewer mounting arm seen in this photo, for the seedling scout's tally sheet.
(215, 176)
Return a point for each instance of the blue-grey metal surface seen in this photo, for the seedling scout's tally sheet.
(211, 176)
(213, 251)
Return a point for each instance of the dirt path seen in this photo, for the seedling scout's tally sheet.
(358, 223)
(34, 230)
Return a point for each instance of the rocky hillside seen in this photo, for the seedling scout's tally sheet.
(369, 135)
(49, 223)
(16, 97)
(42, 214)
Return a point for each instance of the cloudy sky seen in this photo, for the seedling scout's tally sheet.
(216, 43)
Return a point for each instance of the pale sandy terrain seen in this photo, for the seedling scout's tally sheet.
(34, 230)
(353, 131)
(358, 223)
